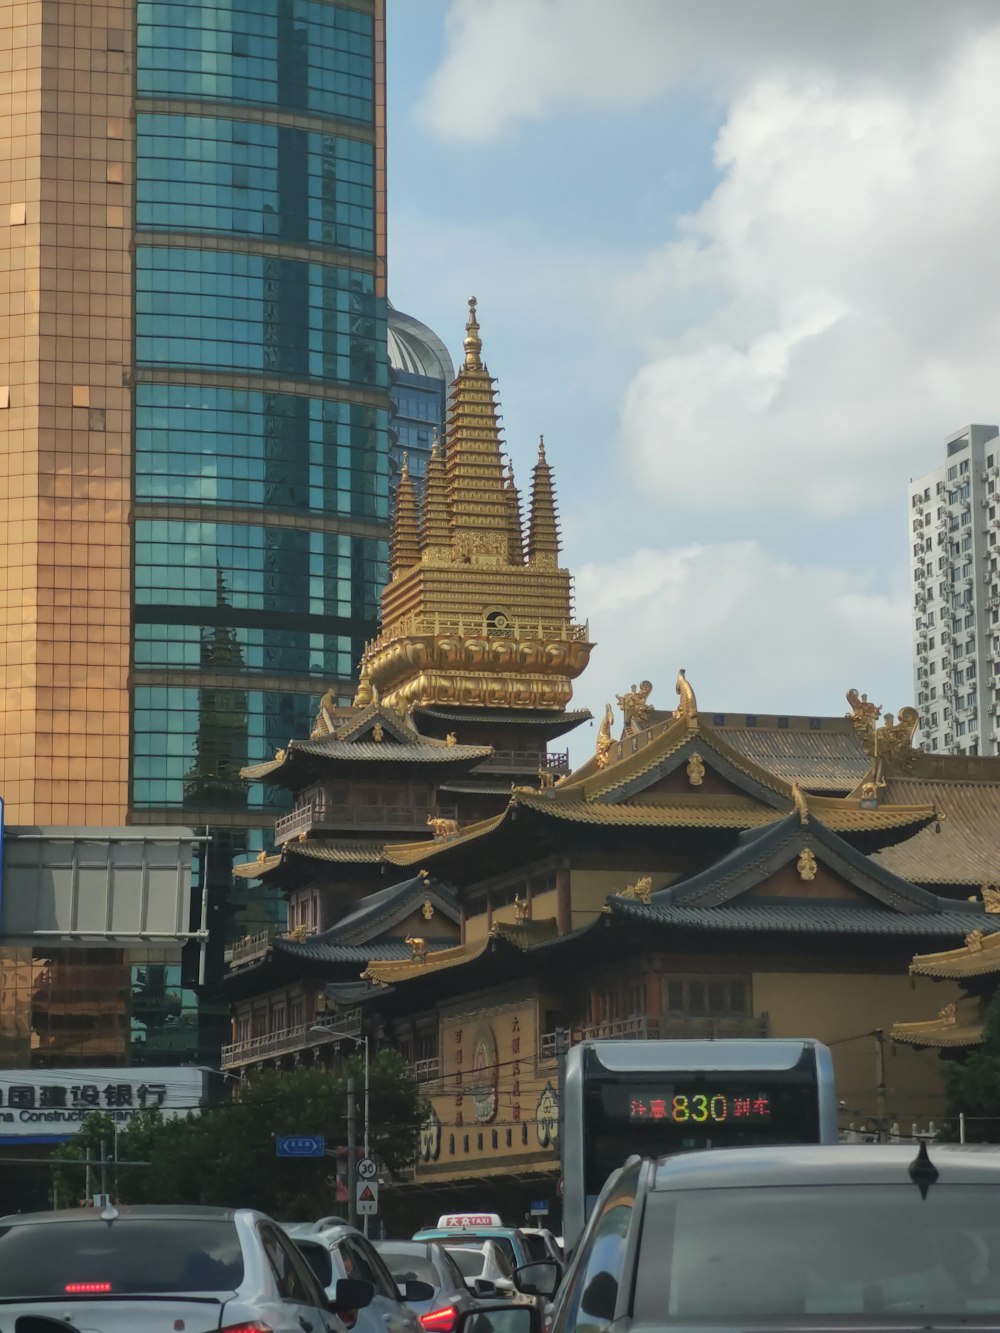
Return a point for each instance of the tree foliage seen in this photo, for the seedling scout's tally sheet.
(225, 1155)
(972, 1085)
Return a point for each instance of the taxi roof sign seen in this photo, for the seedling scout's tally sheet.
(456, 1221)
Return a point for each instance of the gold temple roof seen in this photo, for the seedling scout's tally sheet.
(389, 971)
(964, 847)
(979, 956)
(958, 1024)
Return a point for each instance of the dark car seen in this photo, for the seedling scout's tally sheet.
(844, 1237)
(424, 1261)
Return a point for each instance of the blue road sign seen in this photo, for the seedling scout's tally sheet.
(300, 1145)
(539, 1206)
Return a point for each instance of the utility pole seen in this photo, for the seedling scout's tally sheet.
(352, 1157)
(104, 1167)
(562, 1047)
(879, 1036)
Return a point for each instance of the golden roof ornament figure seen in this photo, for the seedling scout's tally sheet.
(688, 706)
(364, 693)
(427, 910)
(604, 741)
(864, 715)
(949, 1014)
(378, 733)
(806, 864)
(799, 801)
(991, 898)
(641, 890)
(974, 941)
(418, 948)
(522, 909)
(473, 343)
(696, 770)
(634, 704)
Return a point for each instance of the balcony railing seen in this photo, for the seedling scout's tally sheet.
(479, 626)
(317, 813)
(644, 1027)
(288, 1040)
(250, 948)
(525, 761)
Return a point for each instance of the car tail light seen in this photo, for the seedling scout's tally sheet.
(440, 1321)
(86, 1288)
(248, 1326)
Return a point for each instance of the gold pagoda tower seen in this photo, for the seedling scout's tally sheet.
(478, 615)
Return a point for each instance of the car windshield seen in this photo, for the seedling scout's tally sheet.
(130, 1255)
(818, 1251)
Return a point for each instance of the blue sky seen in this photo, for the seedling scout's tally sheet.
(736, 261)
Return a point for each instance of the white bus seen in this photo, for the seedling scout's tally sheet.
(652, 1098)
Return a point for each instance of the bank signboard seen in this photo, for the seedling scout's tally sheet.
(41, 1103)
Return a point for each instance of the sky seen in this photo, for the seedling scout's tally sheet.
(737, 260)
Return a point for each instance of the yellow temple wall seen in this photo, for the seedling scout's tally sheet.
(843, 1010)
(497, 1130)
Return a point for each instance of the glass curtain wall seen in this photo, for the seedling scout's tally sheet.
(261, 402)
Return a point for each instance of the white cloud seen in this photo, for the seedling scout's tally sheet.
(851, 286)
(511, 61)
(753, 632)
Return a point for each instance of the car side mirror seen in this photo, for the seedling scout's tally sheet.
(501, 1319)
(539, 1279)
(352, 1293)
(482, 1286)
(415, 1290)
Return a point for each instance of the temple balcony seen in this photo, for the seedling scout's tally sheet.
(251, 948)
(667, 1026)
(286, 1041)
(316, 815)
(525, 761)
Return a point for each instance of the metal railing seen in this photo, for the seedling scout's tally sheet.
(250, 1049)
(316, 813)
(481, 626)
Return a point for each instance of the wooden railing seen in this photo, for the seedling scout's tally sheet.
(317, 812)
(521, 761)
(646, 1027)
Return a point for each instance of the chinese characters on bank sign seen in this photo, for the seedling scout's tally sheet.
(701, 1108)
(56, 1102)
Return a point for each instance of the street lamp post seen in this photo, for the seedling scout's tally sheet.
(362, 1039)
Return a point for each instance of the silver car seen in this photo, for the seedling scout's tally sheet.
(160, 1269)
(336, 1250)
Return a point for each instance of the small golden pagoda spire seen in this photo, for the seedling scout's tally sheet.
(473, 342)
(543, 524)
(516, 539)
(435, 528)
(405, 538)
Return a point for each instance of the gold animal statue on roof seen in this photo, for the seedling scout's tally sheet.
(604, 740)
(634, 704)
(546, 779)
(522, 909)
(688, 705)
(641, 890)
(864, 715)
(442, 827)
(418, 948)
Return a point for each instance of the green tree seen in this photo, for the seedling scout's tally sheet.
(972, 1084)
(225, 1155)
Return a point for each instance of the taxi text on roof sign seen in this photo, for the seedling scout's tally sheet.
(470, 1220)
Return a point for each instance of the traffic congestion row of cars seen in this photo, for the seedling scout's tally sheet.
(192, 1269)
(867, 1238)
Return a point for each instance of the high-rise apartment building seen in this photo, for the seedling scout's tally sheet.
(420, 373)
(194, 403)
(956, 595)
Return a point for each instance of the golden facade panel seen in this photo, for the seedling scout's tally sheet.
(65, 454)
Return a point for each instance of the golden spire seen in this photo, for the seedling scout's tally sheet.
(473, 342)
(480, 514)
(405, 543)
(435, 529)
(516, 539)
(543, 524)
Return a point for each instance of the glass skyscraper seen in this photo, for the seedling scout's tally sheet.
(420, 375)
(194, 424)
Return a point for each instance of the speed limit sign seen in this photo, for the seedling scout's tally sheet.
(367, 1170)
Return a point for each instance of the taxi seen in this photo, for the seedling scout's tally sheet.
(473, 1228)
